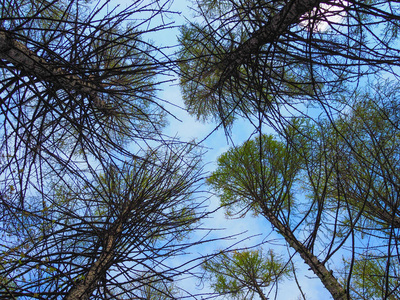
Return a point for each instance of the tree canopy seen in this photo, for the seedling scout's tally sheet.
(322, 77)
(96, 200)
(330, 189)
(244, 274)
(94, 197)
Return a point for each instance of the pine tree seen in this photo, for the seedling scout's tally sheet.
(93, 198)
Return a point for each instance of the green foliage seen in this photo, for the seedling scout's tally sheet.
(360, 152)
(374, 277)
(200, 52)
(241, 274)
(154, 288)
(259, 174)
(220, 81)
(333, 178)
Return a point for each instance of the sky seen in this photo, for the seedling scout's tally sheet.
(252, 231)
(249, 231)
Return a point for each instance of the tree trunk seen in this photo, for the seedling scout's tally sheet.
(260, 292)
(290, 14)
(326, 277)
(29, 62)
(85, 288)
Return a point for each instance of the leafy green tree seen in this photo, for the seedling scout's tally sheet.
(260, 177)
(330, 188)
(371, 279)
(367, 155)
(242, 274)
(266, 60)
(220, 80)
(314, 72)
(360, 185)
(261, 168)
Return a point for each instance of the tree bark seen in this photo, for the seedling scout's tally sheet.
(260, 292)
(23, 59)
(290, 14)
(319, 269)
(85, 288)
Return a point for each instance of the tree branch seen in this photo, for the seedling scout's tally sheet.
(290, 14)
(319, 269)
(23, 59)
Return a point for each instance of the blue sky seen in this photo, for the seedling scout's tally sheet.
(253, 230)
(260, 230)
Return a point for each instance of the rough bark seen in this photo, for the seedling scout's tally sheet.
(85, 288)
(23, 59)
(329, 281)
(290, 14)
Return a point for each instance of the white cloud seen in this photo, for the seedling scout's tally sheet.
(324, 17)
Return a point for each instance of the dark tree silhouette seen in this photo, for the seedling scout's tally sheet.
(78, 82)
(105, 237)
(261, 59)
(94, 200)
